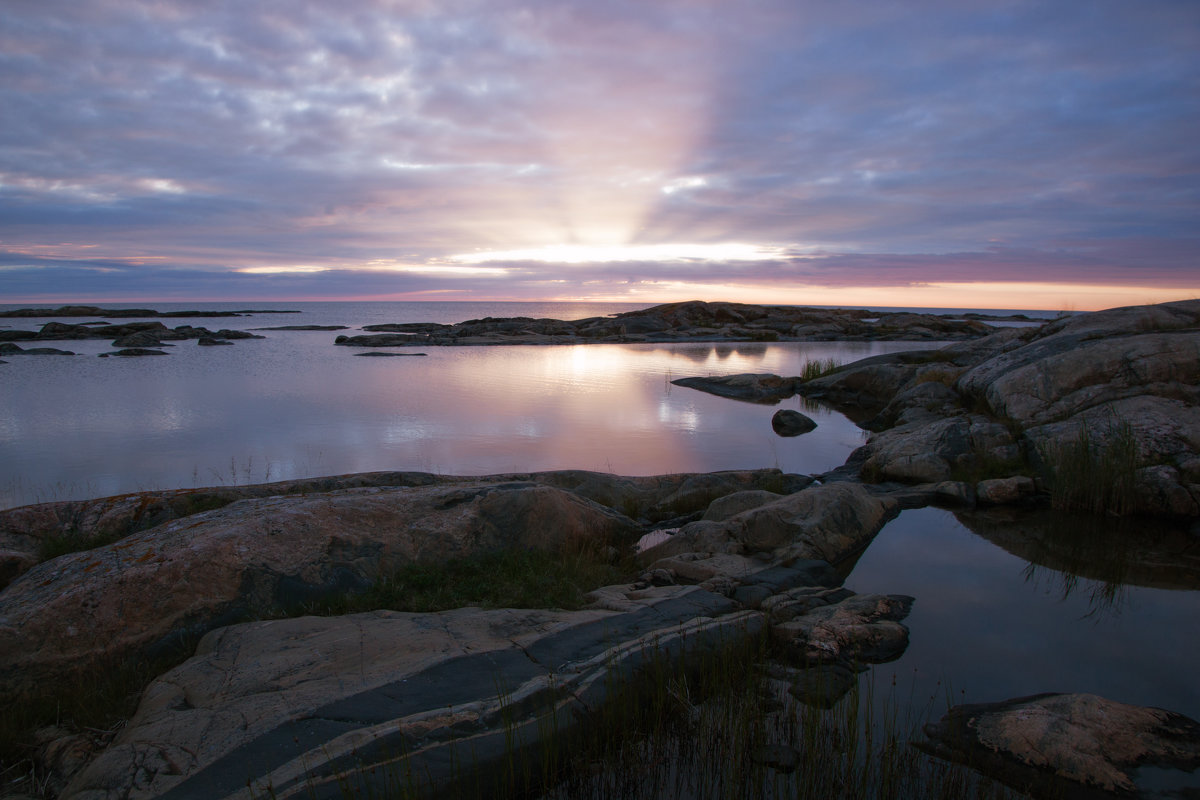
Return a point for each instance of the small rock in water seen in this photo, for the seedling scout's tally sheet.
(388, 355)
(791, 423)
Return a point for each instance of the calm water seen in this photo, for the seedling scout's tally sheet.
(295, 405)
(987, 625)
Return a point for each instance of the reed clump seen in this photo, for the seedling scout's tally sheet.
(1095, 474)
(819, 367)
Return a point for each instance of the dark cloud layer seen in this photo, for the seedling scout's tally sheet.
(366, 147)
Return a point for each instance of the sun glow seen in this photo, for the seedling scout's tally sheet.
(599, 254)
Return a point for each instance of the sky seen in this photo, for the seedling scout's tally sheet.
(987, 154)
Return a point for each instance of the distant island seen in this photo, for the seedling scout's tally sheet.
(110, 313)
(693, 320)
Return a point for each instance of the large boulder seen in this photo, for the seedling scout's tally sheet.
(1067, 745)
(828, 522)
(154, 589)
(932, 452)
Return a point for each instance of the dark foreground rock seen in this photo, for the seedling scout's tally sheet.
(152, 590)
(305, 708)
(304, 705)
(1073, 746)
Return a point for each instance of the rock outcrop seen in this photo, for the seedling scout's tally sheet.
(1017, 400)
(298, 707)
(1066, 745)
(152, 590)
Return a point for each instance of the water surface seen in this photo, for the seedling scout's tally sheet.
(296, 405)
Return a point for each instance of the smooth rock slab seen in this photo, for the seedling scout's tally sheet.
(1066, 745)
(298, 704)
(153, 590)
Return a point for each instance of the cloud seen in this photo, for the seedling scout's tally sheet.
(223, 144)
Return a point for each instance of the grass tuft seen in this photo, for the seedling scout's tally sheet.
(818, 368)
(504, 579)
(1095, 475)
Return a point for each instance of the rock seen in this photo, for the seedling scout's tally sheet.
(208, 341)
(433, 702)
(754, 388)
(732, 504)
(863, 389)
(930, 453)
(391, 355)
(134, 351)
(828, 522)
(697, 492)
(787, 422)
(822, 686)
(16, 336)
(138, 339)
(1066, 745)
(226, 333)
(380, 340)
(1057, 377)
(859, 629)
(304, 328)
(153, 589)
(10, 349)
(998, 491)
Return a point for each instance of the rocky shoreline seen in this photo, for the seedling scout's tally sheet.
(294, 706)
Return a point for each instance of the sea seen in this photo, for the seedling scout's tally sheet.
(987, 624)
